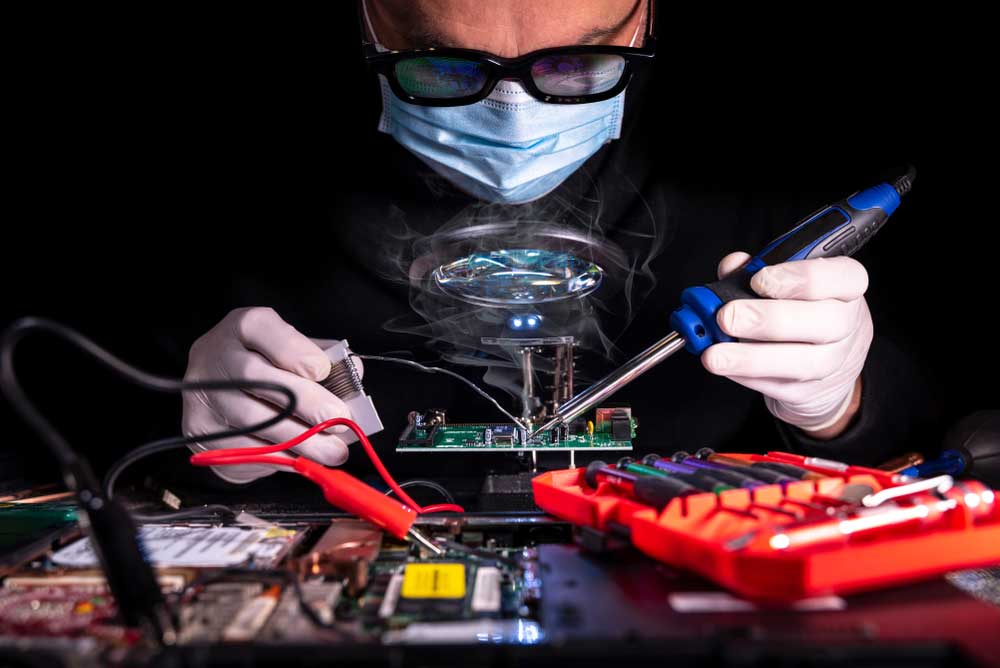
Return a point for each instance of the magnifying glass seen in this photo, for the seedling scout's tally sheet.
(522, 276)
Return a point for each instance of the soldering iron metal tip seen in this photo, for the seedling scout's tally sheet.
(545, 427)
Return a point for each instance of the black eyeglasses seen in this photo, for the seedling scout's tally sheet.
(446, 77)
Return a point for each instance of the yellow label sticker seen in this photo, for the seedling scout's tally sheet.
(278, 532)
(434, 581)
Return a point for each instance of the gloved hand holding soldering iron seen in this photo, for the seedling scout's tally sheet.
(803, 348)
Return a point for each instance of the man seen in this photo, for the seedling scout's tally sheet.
(544, 132)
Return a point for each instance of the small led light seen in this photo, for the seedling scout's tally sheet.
(988, 496)
(972, 500)
(524, 321)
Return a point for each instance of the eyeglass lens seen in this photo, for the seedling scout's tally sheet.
(440, 77)
(575, 75)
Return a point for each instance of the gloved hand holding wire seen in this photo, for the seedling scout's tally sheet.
(256, 343)
(805, 346)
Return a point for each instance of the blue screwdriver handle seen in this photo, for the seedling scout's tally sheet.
(950, 462)
(838, 229)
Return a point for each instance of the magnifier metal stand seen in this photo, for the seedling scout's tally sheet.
(551, 352)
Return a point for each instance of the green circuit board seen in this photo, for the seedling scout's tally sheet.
(504, 437)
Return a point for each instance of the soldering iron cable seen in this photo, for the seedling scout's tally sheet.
(61, 449)
(58, 444)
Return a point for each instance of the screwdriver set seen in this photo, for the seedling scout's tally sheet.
(780, 527)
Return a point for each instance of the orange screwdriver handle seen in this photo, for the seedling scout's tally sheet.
(353, 496)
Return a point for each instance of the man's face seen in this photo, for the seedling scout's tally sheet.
(509, 28)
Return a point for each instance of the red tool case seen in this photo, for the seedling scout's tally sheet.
(713, 535)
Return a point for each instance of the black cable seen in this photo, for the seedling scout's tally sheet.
(78, 473)
(65, 454)
(904, 183)
(58, 445)
(307, 609)
(185, 513)
(426, 483)
(131, 457)
(111, 529)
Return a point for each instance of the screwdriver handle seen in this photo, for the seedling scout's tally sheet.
(838, 229)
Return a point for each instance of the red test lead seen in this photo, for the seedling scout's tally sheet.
(340, 488)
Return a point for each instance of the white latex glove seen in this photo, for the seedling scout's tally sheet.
(803, 348)
(256, 344)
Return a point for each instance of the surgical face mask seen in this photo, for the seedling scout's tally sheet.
(507, 148)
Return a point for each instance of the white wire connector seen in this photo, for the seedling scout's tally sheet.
(345, 381)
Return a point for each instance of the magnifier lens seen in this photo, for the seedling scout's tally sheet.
(521, 276)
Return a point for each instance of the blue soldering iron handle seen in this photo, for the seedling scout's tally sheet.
(838, 229)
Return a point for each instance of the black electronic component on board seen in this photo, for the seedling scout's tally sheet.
(577, 427)
(621, 425)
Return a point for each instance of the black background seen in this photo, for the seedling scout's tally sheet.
(154, 155)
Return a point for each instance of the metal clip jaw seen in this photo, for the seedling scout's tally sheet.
(419, 537)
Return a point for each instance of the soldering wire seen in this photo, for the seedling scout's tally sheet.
(448, 372)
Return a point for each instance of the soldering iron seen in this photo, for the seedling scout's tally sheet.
(840, 228)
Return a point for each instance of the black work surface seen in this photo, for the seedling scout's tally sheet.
(623, 596)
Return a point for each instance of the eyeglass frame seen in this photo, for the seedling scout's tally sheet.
(498, 68)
